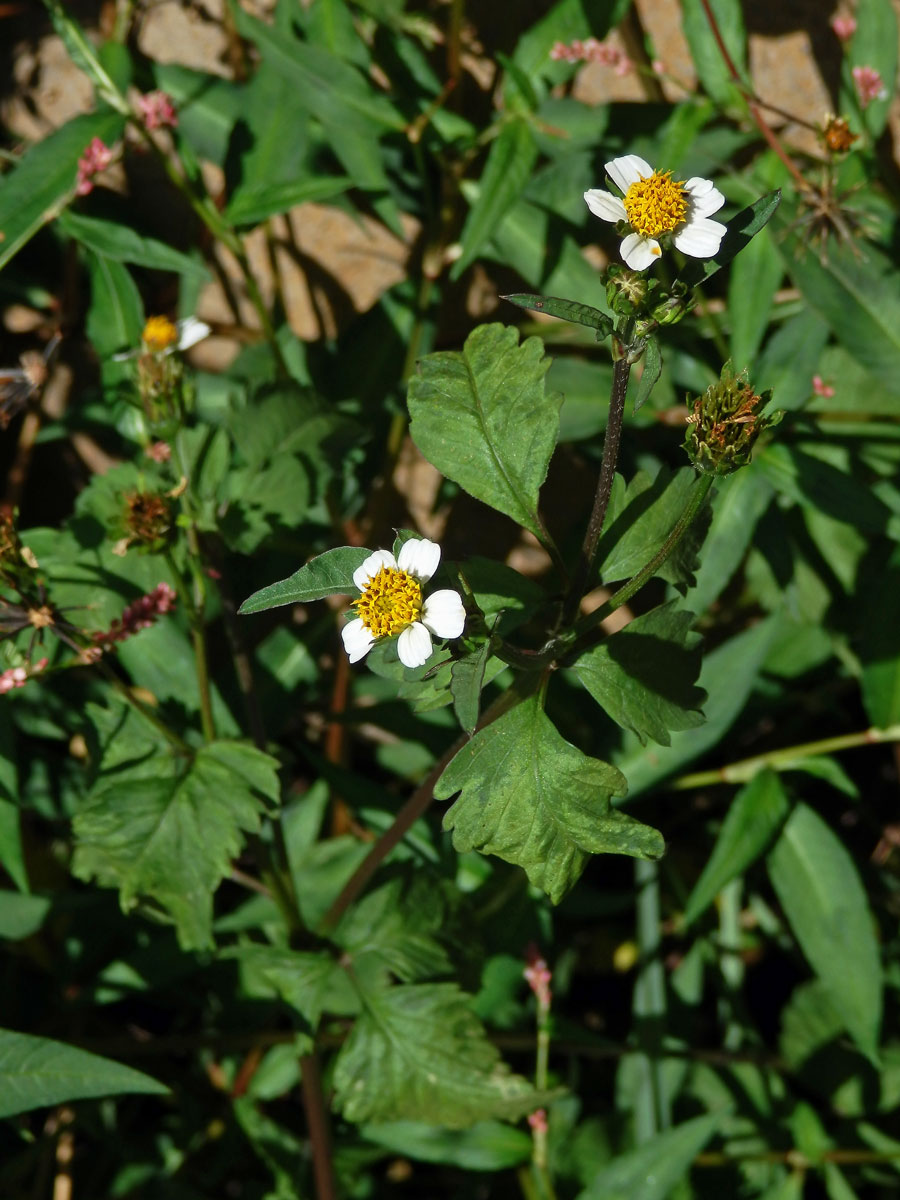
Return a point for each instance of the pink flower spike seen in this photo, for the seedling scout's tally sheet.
(157, 110)
(96, 158)
(538, 976)
(538, 1121)
(160, 452)
(844, 27)
(869, 85)
(821, 388)
(140, 614)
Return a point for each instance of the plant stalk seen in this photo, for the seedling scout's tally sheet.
(786, 758)
(582, 572)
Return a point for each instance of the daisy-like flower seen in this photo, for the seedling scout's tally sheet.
(657, 206)
(392, 603)
(162, 336)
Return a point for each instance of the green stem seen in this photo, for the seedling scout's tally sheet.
(582, 572)
(128, 695)
(786, 758)
(651, 1110)
(194, 603)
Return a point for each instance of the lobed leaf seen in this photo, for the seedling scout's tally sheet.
(533, 799)
(418, 1052)
(482, 416)
(165, 828)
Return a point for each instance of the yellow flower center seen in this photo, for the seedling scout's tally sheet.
(656, 204)
(391, 601)
(159, 334)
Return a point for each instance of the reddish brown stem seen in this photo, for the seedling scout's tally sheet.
(752, 104)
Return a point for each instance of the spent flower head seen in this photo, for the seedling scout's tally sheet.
(392, 604)
(836, 134)
(658, 209)
(725, 422)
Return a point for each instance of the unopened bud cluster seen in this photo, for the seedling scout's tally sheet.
(725, 422)
(634, 294)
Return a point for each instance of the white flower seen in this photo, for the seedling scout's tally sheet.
(392, 603)
(162, 336)
(654, 204)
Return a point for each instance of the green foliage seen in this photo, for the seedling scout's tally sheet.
(36, 1072)
(532, 798)
(164, 826)
(225, 856)
(484, 419)
(418, 1051)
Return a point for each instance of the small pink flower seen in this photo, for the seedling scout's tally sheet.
(844, 27)
(538, 1121)
(95, 159)
(820, 387)
(160, 452)
(658, 67)
(538, 975)
(869, 85)
(140, 614)
(157, 110)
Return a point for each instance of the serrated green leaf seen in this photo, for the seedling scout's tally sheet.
(506, 172)
(742, 228)
(43, 183)
(329, 574)
(855, 291)
(121, 243)
(823, 898)
(652, 1170)
(566, 310)
(419, 1053)
(533, 799)
(653, 365)
(395, 930)
(163, 827)
(643, 676)
(640, 518)
(484, 419)
(303, 979)
(36, 1071)
(756, 814)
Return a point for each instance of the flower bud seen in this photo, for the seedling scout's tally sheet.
(725, 422)
(626, 290)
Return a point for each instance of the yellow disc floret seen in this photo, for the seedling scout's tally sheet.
(391, 601)
(159, 334)
(656, 204)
